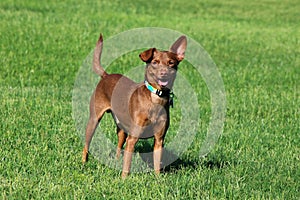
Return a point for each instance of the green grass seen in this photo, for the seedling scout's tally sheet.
(256, 46)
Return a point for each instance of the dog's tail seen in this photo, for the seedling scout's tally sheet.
(98, 69)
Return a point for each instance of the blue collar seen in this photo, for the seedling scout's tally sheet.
(152, 89)
(160, 93)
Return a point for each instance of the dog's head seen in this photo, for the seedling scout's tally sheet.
(161, 66)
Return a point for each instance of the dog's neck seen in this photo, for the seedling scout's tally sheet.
(161, 93)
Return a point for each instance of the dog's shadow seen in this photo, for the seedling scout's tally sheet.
(171, 162)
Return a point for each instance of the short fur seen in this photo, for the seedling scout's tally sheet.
(138, 112)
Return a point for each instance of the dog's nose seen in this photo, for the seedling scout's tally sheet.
(163, 71)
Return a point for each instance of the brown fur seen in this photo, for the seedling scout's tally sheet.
(138, 113)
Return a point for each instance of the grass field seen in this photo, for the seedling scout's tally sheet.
(256, 46)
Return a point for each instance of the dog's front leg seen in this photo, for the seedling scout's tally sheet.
(157, 153)
(129, 149)
(160, 132)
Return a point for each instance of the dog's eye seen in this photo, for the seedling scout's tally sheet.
(171, 63)
(155, 62)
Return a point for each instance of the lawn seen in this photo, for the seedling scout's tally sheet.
(255, 46)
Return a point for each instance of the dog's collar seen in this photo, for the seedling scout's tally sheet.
(160, 93)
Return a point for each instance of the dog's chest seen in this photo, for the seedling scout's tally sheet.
(157, 100)
(140, 116)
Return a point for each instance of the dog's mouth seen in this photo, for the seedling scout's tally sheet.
(163, 83)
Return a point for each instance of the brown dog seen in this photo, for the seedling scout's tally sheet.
(140, 110)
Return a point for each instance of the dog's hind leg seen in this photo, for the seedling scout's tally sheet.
(90, 130)
(129, 149)
(92, 124)
(121, 140)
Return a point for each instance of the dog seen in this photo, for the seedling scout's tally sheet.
(140, 110)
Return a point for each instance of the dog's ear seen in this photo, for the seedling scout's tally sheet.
(147, 55)
(179, 47)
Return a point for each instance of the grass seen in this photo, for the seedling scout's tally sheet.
(256, 48)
